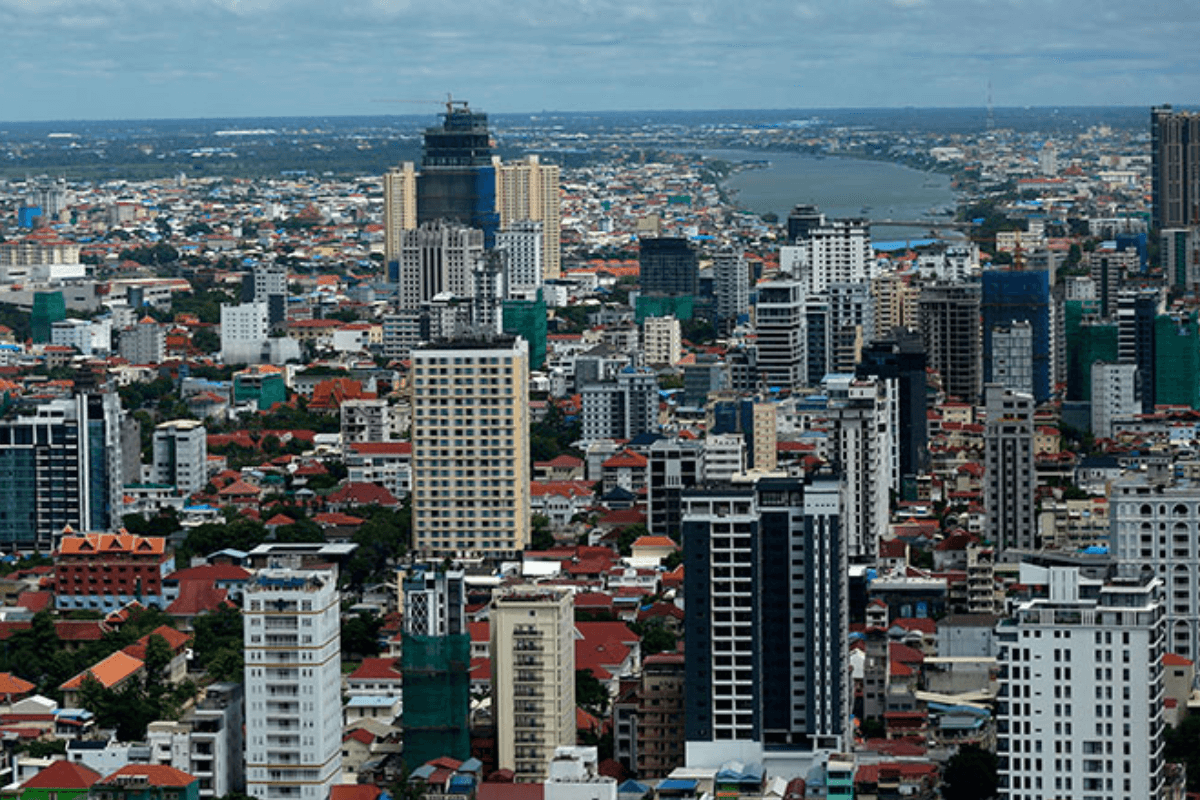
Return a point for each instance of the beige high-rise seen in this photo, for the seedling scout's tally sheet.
(470, 437)
(530, 190)
(399, 208)
(533, 677)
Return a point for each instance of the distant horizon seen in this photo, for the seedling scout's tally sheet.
(608, 111)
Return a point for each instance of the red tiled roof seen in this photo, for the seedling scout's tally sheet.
(109, 671)
(375, 669)
(155, 774)
(12, 685)
(196, 597)
(354, 791)
(363, 494)
(210, 572)
(63, 774)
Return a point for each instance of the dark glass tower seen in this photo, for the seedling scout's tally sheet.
(457, 181)
(668, 266)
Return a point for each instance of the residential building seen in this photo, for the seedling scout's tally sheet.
(143, 343)
(365, 420)
(1010, 296)
(1180, 253)
(833, 251)
(62, 780)
(522, 244)
(470, 436)
(623, 408)
(1174, 168)
(1114, 396)
(293, 683)
(781, 325)
(207, 743)
(1155, 525)
(668, 266)
(863, 414)
(949, 319)
(731, 282)
(660, 716)
(147, 782)
(674, 465)
(1012, 357)
(244, 329)
(661, 340)
(63, 465)
(438, 257)
(399, 209)
(181, 455)
(533, 677)
(1082, 687)
(767, 677)
(528, 191)
(902, 359)
(435, 662)
(1009, 469)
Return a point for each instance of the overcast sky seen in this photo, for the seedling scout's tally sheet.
(113, 59)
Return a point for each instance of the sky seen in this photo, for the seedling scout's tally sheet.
(140, 59)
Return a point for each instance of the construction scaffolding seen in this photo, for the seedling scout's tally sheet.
(437, 697)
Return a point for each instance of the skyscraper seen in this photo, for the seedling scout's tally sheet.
(668, 266)
(293, 684)
(528, 191)
(62, 465)
(470, 435)
(1009, 469)
(766, 621)
(1021, 296)
(836, 251)
(181, 455)
(533, 677)
(437, 257)
(523, 246)
(949, 315)
(782, 327)
(1082, 678)
(864, 420)
(731, 281)
(903, 360)
(457, 181)
(399, 209)
(1174, 168)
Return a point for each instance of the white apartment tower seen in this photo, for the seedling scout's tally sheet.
(838, 251)
(470, 438)
(1114, 396)
(533, 677)
(244, 329)
(529, 190)
(523, 246)
(662, 340)
(1012, 356)
(864, 416)
(181, 455)
(1010, 478)
(1082, 690)
(293, 684)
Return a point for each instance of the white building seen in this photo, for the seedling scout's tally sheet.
(662, 340)
(724, 456)
(782, 328)
(293, 684)
(143, 343)
(1012, 356)
(181, 455)
(244, 329)
(1082, 688)
(731, 283)
(865, 417)
(436, 258)
(207, 743)
(838, 251)
(522, 244)
(89, 337)
(1114, 396)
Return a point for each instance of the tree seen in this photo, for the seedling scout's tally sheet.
(590, 692)
(158, 658)
(628, 535)
(970, 774)
(657, 638)
(1183, 746)
(214, 632)
(206, 340)
(360, 635)
(540, 536)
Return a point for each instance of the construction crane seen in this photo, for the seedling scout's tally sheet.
(450, 103)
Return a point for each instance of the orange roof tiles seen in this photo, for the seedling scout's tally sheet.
(109, 672)
(92, 543)
(63, 775)
(155, 775)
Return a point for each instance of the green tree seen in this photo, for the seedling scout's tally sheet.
(970, 774)
(158, 658)
(1183, 746)
(628, 535)
(360, 635)
(657, 638)
(215, 632)
(540, 536)
(590, 693)
(228, 665)
(206, 340)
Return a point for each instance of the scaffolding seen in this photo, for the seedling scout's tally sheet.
(437, 698)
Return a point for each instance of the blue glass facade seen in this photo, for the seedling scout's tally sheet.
(1012, 296)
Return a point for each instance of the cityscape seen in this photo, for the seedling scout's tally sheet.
(662, 455)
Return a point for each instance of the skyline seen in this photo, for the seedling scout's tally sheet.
(263, 58)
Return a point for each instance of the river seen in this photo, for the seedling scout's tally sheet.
(840, 187)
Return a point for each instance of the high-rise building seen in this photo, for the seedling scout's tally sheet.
(529, 191)
(527, 319)
(268, 283)
(851, 323)
(895, 303)
(1012, 356)
(293, 683)
(143, 343)
(244, 329)
(673, 465)
(1114, 396)
(1174, 167)
(523, 248)
(802, 220)
(767, 621)
(435, 662)
(662, 340)
(1108, 268)
(1155, 525)
(668, 266)
(731, 282)
(623, 408)
(437, 257)
(533, 677)
(837, 251)
(62, 462)
(181, 455)
(863, 417)
(903, 360)
(660, 739)
(1022, 296)
(1180, 254)
(470, 437)
(1177, 360)
(949, 315)
(781, 324)
(1010, 476)
(399, 209)
(457, 180)
(1082, 677)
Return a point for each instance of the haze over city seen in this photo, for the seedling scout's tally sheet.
(72, 59)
